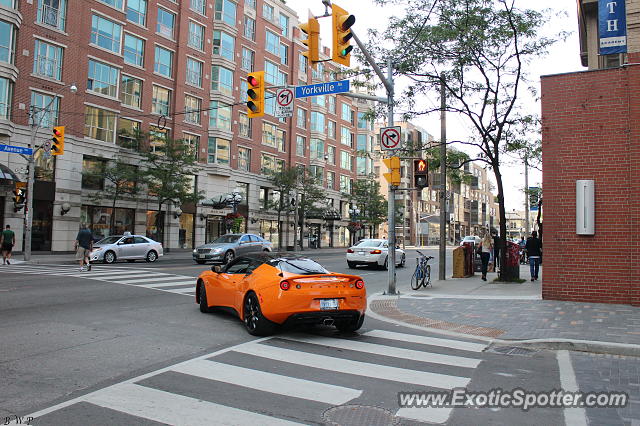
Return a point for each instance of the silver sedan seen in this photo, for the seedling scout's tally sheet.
(126, 247)
(229, 246)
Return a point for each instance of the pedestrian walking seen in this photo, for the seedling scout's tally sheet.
(496, 251)
(486, 246)
(534, 250)
(83, 247)
(8, 241)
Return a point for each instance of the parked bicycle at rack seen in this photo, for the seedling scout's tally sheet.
(422, 275)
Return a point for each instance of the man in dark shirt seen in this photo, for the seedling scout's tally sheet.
(534, 251)
(83, 246)
(8, 241)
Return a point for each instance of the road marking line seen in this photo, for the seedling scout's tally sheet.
(347, 366)
(568, 383)
(165, 407)
(390, 351)
(269, 382)
(96, 275)
(169, 277)
(184, 291)
(425, 414)
(168, 284)
(424, 340)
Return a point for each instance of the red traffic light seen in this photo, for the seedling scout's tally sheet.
(56, 132)
(253, 81)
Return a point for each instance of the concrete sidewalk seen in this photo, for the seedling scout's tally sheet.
(506, 312)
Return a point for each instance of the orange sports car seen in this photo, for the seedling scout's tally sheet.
(270, 289)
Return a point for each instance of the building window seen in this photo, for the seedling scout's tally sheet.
(192, 142)
(128, 133)
(284, 54)
(47, 60)
(269, 164)
(7, 42)
(316, 149)
(303, 64)
(52, 13)
(158, 139)
(301, 121)
(267, 11)
(133, 50)
(92, 171)
(196, 36)
(251, 4)
(317, 173)
(345, 160)
(269, 134)
(220, 116)
(45, 109)
(301, 143)
(244, 125)
(272, 43)
(331, 180)
(192, 109)
(284, 25)
(113, 3)
(199, 6)
(163, 63)
(244, 159)
(361, 143)
(131, 91)
(166, 23)
(249, 28)
(6, 94)
(223, 45)
(345, 184)
(331, 104)
(102, 79)
(346, 137)
(363, 122)
(331, 129)
(225, 10)
(137, 11)
(222, 80)
(99, 124)
(318, 72)
(194, 72)
(218, 151)
(271, 73)
(248, 59)
(161, 100)
(105, 33)
(244, 86)
(331, 154)
(346, 113)
(317, 122)
(361, 166)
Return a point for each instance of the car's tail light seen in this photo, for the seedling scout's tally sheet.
(349, 251)
(285, 285)
(376, 251)
(359, 284)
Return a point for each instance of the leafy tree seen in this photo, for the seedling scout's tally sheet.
(477, 49)
(310, 195)
(170, 176)
(284, 181)
(373, 206)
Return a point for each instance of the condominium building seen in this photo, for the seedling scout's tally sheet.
(169, 69)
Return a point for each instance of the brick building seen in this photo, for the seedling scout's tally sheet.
(169, 69)
(591, 131)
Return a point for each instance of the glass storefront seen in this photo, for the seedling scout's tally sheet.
(98, 220)
(185, 234)
(214, 228)
(42, 225)
(269, 231)
(152, 226)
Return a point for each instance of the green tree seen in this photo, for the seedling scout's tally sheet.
(170, 176)
(478, 50)
(373, 206)
(284, 181)
(310, 194)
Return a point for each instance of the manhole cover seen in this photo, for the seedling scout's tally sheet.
(513, 350)
(358, 415)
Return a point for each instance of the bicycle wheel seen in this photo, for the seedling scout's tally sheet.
(426, 280)
(416, 279)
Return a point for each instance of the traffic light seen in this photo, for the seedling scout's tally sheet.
(342, 23)
(18, 197)
(57, 141)
(312, 30)
(393, 177)
(420, 173)
(255, 102)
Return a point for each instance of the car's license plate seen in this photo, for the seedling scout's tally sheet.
(328, 304)
(201, 256)
(360, 252)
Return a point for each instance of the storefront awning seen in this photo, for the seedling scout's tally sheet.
(7, 177)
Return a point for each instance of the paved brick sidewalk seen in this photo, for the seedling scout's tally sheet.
(519, 319)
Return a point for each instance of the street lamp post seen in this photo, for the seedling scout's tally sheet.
(28, 213)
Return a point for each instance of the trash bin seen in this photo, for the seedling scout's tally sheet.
(469, 254)
(459, 263)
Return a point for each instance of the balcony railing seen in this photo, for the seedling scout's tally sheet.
(52, 16)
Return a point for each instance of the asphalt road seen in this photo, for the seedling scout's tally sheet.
(75, 349)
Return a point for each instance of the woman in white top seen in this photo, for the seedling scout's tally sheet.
(487, 247)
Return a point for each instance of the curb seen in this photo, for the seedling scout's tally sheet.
(553, 344)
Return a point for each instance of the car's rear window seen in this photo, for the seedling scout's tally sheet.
(369, 243)
(299, 266)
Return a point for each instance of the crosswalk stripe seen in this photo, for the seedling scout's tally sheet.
(186, 291)
(144, 280)
(108, 275)
(433, 341)
(168, 284)
(425, 414)
(165, 407)
(391, 351)
(347, 366)
(269, 382)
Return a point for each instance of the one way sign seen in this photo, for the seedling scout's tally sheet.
(284, 103)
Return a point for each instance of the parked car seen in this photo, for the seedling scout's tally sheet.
(473, 239)
(270, 289)
(373, 252)
(229, 246)
(126, 247)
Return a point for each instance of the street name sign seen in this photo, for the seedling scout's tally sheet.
(322, 88)
(284, 103)
(16, 149)
(390, 138)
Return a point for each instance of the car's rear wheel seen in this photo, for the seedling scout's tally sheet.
(200, 262)
(351, 325)
(152, 256)
(204, 306)
(255, 323)
(228, 257)
(109, 257)
(351, 265)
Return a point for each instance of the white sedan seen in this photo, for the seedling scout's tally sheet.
(373, 252)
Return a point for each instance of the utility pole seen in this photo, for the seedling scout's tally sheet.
(443, 181)
(527, 229)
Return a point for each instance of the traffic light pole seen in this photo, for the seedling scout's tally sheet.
(443, 182)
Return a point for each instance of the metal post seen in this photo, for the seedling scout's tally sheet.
(526, 196)
(28, 208)
(443, 181)
(392, 193)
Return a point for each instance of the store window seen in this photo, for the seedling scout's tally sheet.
(185, 233)
(105, 221)
(93, 172)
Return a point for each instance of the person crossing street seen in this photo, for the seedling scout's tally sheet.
(83, 247)
(8, 241)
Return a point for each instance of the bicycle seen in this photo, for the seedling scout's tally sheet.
(422, 275)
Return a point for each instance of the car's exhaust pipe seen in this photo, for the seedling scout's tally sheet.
(327, 321)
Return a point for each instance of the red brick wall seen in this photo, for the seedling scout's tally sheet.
(591, 131)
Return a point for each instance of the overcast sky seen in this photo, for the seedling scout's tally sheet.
(564, 57)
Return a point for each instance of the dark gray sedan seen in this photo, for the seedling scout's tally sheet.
(229, 246)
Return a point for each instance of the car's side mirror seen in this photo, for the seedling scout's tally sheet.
(216, 269)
